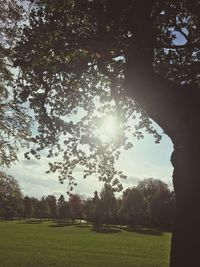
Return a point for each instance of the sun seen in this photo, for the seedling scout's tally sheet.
(108, 129)
(109, 125)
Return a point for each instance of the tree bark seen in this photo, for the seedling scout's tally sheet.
(175, 109)
(185, 245)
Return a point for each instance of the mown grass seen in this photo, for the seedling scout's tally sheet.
(48, 244)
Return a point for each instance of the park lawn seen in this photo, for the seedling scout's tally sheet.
(47, 244)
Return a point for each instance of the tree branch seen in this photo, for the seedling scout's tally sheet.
(166, 102)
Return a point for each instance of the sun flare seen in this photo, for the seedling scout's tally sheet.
(108, 129)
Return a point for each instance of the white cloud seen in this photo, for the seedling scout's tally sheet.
(131, 181)
(31, 162)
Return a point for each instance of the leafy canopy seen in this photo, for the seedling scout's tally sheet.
(73, 58)
(14, 121)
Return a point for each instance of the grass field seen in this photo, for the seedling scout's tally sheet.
(48, 245)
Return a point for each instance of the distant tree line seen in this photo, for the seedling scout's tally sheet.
(150, 203)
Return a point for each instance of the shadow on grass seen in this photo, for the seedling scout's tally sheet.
(61, 224)
(106, 230)
(83, 226)
(142, 230)
(31, 222)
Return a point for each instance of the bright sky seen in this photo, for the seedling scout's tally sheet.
(146, 159)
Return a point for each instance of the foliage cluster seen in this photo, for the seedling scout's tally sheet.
(15, 122)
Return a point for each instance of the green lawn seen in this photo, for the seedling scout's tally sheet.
(45, 245)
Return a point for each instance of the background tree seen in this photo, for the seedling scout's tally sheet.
(44, 209)
(60, 204)
(107, 203)
(134, 207)
(28, 207)
(52, 202)
(93, 210)
(73, 52)
(35, 207)
(152, 189)
(64, 209)
(66, 212)
(88, 209)
(76, 206)
(10, 196)
(150, 186)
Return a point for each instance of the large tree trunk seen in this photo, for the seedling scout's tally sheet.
(175, 109)
(167, 104)
(168, 108)
(185, 245)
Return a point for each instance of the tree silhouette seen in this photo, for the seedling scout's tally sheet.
(134, 207)
(76, 206)
(28, 207)
(93, 210)
(51, 199)
(10, 197)
(144, 56)
(107, 205)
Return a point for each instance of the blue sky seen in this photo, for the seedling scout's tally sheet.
(146, 159)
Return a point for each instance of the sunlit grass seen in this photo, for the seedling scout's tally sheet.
(41, 245)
